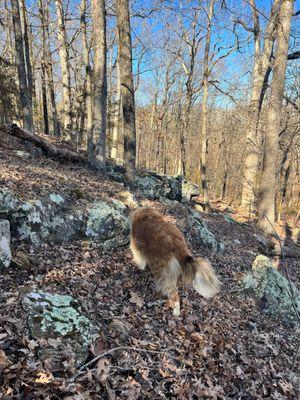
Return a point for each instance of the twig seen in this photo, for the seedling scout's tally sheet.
(110, 351)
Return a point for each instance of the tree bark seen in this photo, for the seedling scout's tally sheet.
(204, 109)
(97, 150)
(260, 77)
(268, 181)
(88, 107)
(49, 69)
(116, 119)
(65, 69)
(21, 66)
(127, 87)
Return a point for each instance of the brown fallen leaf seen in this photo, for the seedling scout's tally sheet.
(4, 361)
(136, 299)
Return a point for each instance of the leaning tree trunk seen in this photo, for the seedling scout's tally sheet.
(97, 150)
(204, 109)
(268, 181)
(127, 86)
(261, 71)
(65, 68)
(21, 66)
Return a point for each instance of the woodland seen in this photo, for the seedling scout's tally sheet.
(191, 107)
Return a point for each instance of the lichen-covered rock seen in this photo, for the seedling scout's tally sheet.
(8, 203)
(57, 317)
(202, 235)
(153, 186)
(5, 253)
(46, 220)
(107, 223)
(188, 190)
(273, 292)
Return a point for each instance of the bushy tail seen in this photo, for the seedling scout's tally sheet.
(199, 273)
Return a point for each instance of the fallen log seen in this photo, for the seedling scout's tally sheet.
(48, 148)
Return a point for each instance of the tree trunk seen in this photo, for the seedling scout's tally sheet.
(116, 120)
(43, 68)
(29, 74)
(97, 151)
(261, 69)
(268, 181)
(49, 70)
(127, 87)
(26, 102)
(65, 69)
(204, 109)
(88, 108)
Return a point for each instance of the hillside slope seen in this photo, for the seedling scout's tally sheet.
(224, 348)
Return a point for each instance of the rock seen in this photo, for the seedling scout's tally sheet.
(202, 235)
(153, 186)
(273, 292)
(22, 154)
(8, 203)
(107, 223)
(57, 319)
(5, 253)
(188, 190)
(47, 220)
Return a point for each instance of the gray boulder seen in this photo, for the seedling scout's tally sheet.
(107, 223)
(47, 220)
(189, 190)
(273, 292)
(153, 186)
(8, 203)
(57, 319)
(5, 253)
(202, 235)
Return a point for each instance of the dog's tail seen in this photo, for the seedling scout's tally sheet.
(198, 273)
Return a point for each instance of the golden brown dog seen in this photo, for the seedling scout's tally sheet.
(160, 245)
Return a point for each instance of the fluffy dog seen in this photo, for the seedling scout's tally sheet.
(159, 245)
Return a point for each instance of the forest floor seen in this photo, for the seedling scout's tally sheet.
(224, 348)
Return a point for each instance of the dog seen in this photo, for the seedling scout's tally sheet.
(160, 245)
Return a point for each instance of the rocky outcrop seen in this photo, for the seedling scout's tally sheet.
(5, 253)
(58, 320)
(274, 293)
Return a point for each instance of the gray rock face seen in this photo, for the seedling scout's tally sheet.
(5, 253)
(188, 190)
(107, 223)
(154, 186)
(273, 292)
(202, 235)
(8, 203)
(57, 317)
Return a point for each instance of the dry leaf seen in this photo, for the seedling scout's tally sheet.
(44, 377)
(136, 299)
(4, 362)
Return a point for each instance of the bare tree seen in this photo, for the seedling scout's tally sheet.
(65, 68)
(97, 148)
(204, 130)
(127, 87)
(260, 76)
(268, 181)
(21, 66)
(87, 86)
